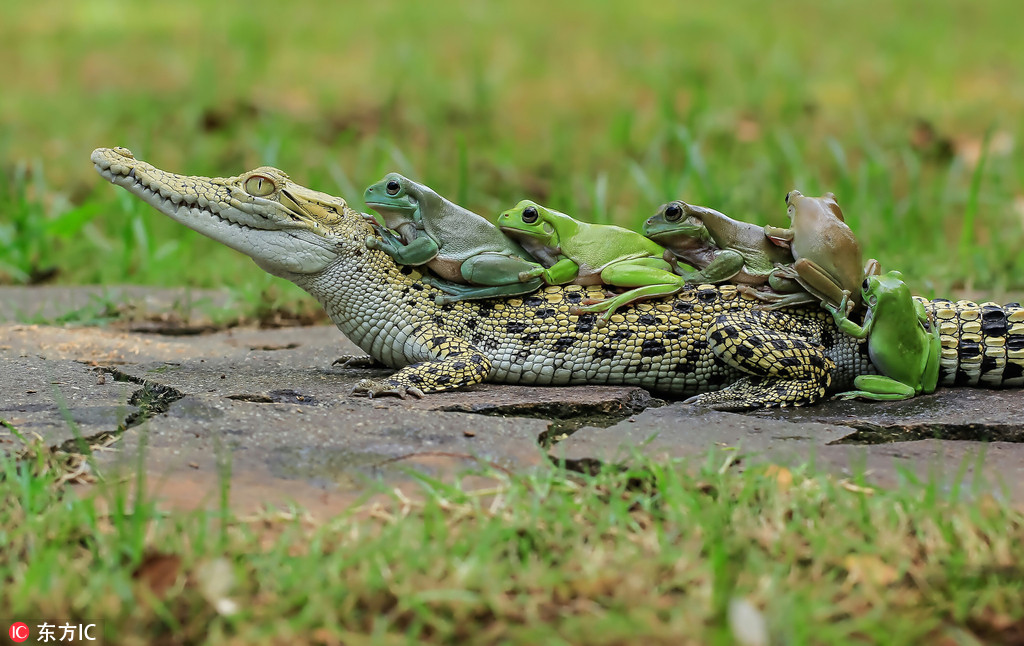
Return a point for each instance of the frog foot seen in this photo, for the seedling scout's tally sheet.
(587, 302)
(847, 396)
(380, 387)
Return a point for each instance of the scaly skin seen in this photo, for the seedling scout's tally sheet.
(706, 339)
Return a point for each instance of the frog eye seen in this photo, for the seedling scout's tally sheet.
(530, 215)
(865, 284)
(259, 186)
(393, 187)
(673, 212)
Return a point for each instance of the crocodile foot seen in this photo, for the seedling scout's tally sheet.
(379, 387)
(748, 393)
(357, 361)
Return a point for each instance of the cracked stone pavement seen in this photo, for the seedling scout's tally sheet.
(269, 405)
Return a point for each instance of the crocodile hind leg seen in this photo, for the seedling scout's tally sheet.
(454, 363)
(786, 364)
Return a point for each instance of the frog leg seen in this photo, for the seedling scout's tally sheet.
(650, 276)
(779, 237)
(819, 282)
(786, 290)
(610, 305)
(781, 353)
(452, 363)
(564, 271)
(930, 376)
(848, 327)
(489, 275)
(819, 285)
(872, 268)
(408, 232)
(673, 262)
(879, 388)
(421, 250)
(457, 292)
(726, 264)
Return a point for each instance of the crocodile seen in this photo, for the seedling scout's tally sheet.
(710, 344)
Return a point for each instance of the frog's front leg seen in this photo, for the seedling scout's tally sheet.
(563, 271)
(421, 250)
(409, 231)
(779, 237)
(839, 315)
(781, 353)
(652, 278)
(453, 363)
(930, 376)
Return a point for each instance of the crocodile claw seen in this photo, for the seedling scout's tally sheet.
(378, 388)
(357, 361)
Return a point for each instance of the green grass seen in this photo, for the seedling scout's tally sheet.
(657, 554)
(604, 111)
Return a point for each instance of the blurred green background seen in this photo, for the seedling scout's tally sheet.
(910, 112)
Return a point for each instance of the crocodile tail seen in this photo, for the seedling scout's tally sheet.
(982, 344)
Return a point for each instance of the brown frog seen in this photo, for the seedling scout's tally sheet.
(827, 257)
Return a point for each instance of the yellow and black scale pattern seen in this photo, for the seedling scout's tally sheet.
(982, 344)
(706, 339)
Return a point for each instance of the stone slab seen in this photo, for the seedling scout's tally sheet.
(267, 402)
(321, 456)
(54, 400)
(679, 430)
(949, 414)
(826, 436)
(271, 404)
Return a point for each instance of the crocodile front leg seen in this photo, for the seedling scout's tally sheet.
(455, 363)
(787, 364)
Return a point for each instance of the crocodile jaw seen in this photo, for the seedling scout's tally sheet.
(275, 231)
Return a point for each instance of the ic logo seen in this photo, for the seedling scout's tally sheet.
(18, 632)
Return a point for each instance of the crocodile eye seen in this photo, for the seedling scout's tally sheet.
(393, 187)
(673, 212)
(259, 186)
(530, 215)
